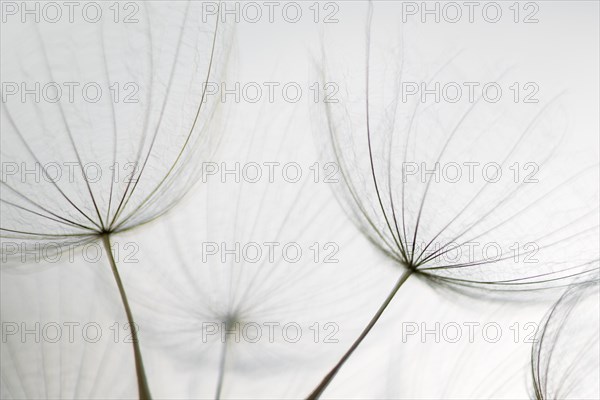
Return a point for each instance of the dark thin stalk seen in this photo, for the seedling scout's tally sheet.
(318, 391)
(143, 389)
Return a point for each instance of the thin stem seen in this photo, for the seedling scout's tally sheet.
(318, 391)
(221, 370)
(143, 389)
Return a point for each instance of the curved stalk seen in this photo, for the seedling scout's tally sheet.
(318, 391)
(143, 389)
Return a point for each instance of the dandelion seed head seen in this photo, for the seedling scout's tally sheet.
(564, 357)
(471, 195)
(119, 155)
